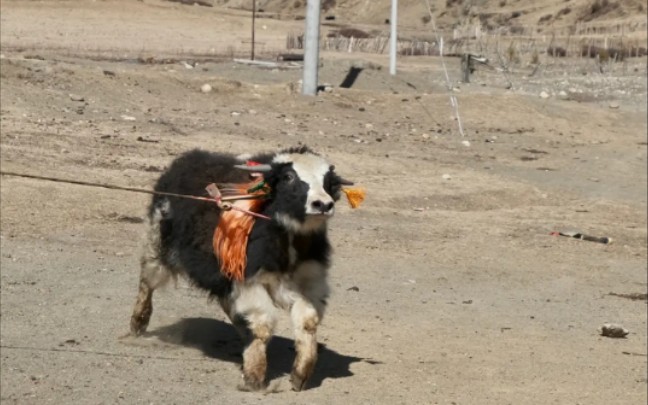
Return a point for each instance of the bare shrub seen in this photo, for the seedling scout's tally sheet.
(564, 11)
(599, 8)
(512, 54)
(557, 51)
(516, 29)
(294, 41)
(426, 19)
(328, 4)
(535, 57)
(598, 5)
(604, 55)
(349, 32)
(638, 51)
(545, 18)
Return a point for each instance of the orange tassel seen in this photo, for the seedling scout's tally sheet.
(355, 196)
(232, 234)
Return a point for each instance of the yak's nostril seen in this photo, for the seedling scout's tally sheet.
(322, 206)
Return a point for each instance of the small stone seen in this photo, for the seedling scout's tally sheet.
(544, 94)
(369, 126)
(235, 113)
(614, 105)
(465, 143)
(446, 177)
(425, 136)
(613, 330)
(186, 65)
(206, 88)
(128, 118)
(76, 97)
(562, 94)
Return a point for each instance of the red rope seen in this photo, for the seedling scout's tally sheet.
(218, 201)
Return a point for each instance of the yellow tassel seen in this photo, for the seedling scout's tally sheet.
(355, 196)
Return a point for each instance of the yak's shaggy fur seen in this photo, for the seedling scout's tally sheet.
(286, 259)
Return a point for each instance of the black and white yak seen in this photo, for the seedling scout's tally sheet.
(283, 259)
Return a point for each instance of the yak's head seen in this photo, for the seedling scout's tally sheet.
(304, 189)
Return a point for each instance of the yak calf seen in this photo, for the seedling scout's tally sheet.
(253, 266)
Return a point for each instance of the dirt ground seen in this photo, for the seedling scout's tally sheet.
(447, 285)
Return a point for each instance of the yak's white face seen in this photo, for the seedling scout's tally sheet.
(312, 169)
(311, 183)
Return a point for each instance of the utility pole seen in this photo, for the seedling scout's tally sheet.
(253, 21)
(393, 37)
(311, 48)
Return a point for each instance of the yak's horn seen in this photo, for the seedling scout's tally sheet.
(257, 168)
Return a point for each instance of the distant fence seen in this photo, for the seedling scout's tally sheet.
(613, 41)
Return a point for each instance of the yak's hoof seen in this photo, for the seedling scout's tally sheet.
(138, 326)
(252, 385)
(298, 382)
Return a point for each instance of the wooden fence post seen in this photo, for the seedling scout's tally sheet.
(465, 68)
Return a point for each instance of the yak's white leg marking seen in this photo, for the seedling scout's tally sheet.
(306, 313)
(153, 274)
(253, 303)
(305, 321)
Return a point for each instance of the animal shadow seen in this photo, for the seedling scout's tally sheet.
(219, 340)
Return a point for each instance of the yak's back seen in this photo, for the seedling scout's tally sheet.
(186, 225)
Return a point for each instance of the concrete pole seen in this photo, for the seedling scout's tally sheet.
(393, 37)
(311, 48)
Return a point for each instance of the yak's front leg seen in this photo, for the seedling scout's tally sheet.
(256, 308)
(305, 319)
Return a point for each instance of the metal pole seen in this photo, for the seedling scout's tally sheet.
(393, 37)
(253, 21)
(311, 48)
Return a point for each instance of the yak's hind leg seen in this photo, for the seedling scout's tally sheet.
(153, 274)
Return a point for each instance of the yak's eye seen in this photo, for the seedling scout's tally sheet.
(288, 177)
